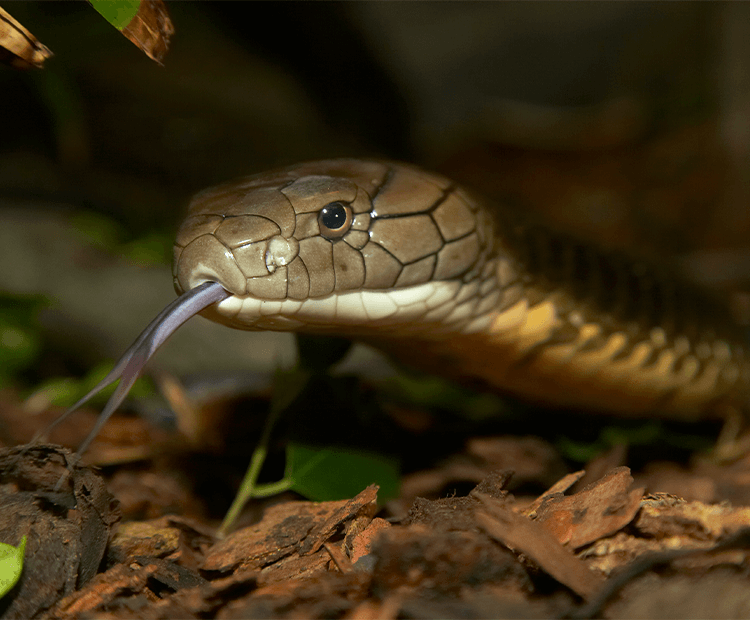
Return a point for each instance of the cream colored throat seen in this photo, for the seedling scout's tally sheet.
(409, 309)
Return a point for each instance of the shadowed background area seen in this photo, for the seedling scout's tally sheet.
(623, 123)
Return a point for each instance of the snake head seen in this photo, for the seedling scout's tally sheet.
(333, 246)
(342, 246)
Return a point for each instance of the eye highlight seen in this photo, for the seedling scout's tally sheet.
(335, 219)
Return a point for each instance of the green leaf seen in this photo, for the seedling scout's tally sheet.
(11, 565)
(19, 346)
(325, 474)
(435, 393)
(119, 13)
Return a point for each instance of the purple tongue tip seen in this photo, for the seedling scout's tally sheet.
(129, 367)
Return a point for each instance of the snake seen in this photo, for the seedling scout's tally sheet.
(446, 280)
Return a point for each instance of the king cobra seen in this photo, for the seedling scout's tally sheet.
(415, 265)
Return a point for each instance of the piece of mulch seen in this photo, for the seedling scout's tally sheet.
(605, 549)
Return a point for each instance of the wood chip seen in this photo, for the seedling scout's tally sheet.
(361, 544)
(365, 501)
(533, 540)
(555, 490)
(601, 509)
(299, 528)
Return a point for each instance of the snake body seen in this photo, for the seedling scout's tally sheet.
(420, 267)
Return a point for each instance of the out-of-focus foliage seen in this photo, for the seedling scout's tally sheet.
(11, 565)
(64, 391)
(20, 342)
(150, 248)
(435, 393)
(22, 338)
(652, 435)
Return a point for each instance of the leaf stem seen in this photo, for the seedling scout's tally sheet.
(287, 387)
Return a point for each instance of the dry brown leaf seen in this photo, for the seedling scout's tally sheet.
(18, 47)
(151, 29)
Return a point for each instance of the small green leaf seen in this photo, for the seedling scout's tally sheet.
(119, 13)
(325, 474)
(11, 565)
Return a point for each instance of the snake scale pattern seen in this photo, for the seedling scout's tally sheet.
(419, 267)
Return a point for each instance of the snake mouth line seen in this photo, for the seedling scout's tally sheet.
(424, 302)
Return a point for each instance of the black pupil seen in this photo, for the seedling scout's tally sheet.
(333, 216)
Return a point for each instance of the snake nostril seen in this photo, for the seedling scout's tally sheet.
(280, 252)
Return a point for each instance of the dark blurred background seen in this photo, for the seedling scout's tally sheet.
(625, 122)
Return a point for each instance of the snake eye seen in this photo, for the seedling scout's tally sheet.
(335, 219)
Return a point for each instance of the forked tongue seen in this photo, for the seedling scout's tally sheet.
(130, 365)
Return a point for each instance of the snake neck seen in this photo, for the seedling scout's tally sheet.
(557, 322)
